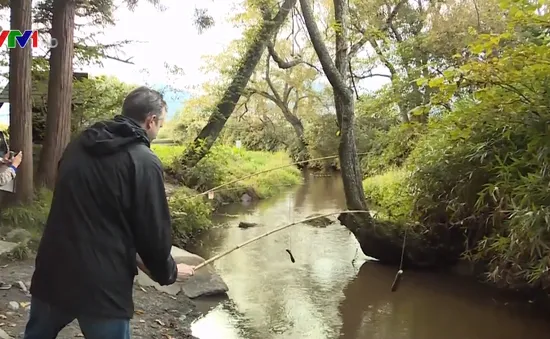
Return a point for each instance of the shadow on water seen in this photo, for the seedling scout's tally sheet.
(323, 296)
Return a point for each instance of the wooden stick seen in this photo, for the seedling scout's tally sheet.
(221, 255)
(265, 171)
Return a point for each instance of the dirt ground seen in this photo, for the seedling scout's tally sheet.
(157, 315)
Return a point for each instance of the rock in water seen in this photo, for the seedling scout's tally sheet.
(205, 281)
(243, 224)
(319, 222)
(246, 198)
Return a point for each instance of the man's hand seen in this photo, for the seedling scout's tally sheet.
(185, 271)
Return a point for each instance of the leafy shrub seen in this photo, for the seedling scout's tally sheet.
(33, 217)
(323, 140)
(390, 148)
(390, 195)
(483, 166)
(190, 215)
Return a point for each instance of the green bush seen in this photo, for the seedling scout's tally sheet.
(323, 140)
(167, 153)
(190, 215)
(30, 217)
(390, 148)
(483, 166)
(389, 195)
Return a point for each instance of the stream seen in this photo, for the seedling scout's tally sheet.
(333, 290)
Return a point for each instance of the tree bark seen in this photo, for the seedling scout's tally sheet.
(225, 107)
(337, 73)
(20, 85)
(373, 242)
(60, 90)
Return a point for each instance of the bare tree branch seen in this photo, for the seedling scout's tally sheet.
(283, 64)
(111, 57)
(388, 25)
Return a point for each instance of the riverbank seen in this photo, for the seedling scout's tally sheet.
(157, 315)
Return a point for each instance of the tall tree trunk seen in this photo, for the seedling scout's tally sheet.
(225, 107)
(60, 90)
(20, 84)
(373, 242)
(337, 74)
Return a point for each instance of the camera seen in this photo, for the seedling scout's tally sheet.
(4, 147)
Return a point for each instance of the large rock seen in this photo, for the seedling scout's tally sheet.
(19, 235)
(6, 247)
(205, 281)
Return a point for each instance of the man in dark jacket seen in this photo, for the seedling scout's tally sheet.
(109, 214)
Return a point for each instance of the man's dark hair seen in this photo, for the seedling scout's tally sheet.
(143, 102)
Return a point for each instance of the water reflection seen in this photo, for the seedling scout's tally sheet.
(430, 306)
(323, 296)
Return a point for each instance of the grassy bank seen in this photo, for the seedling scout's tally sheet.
(190, 214)
(223, 164)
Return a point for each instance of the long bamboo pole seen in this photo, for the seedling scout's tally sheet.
(221, 255)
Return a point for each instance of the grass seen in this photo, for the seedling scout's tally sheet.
(30, 218)
(225, 163)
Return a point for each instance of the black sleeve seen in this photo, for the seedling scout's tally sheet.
(152, 224)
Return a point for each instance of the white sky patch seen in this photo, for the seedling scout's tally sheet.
(167, 37)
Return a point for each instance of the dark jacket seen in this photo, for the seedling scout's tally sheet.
(109, 202)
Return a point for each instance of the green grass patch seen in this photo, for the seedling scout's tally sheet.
(224, 164)
(167, 153)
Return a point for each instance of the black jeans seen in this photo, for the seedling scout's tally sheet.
(45, 322)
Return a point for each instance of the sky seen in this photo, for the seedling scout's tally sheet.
(167, 37)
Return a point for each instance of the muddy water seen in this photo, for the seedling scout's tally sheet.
(327, 294)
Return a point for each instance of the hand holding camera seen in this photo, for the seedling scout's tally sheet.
(13, 160)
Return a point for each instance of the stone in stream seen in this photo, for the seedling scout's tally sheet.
(205, 282)
(319, 222)
(244, 224)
